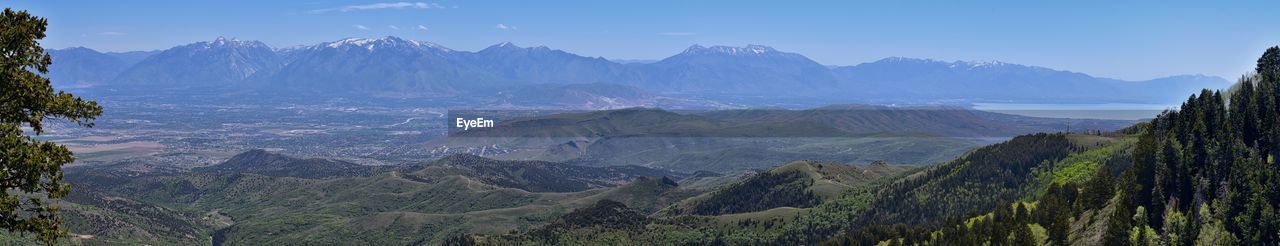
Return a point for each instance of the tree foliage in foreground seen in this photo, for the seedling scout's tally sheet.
(31, 169)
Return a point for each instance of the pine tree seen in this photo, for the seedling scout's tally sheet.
(1097, 190)
(27, 99)
(1022, 236)
(1270, 60)
(1118, 222)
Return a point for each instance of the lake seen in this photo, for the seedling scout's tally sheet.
(1106, 111)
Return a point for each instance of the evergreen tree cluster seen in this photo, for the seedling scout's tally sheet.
(973, 183)
(1208, 171)
(764, 191)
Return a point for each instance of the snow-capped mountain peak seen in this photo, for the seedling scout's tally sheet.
(502, 46)
(383, 42)
(693, 49)
(223, 42)
(759, 49)
(751, 49)
(978, 64)
(898, 59)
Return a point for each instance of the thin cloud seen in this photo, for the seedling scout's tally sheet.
(505, 27)
(361, 27)
(677, 33)
(376, 6)
(421, 27)
(393, 27)
(111, 34)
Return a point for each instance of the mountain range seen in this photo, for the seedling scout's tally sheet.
(84, 67)
(392, 66)
(201, 64)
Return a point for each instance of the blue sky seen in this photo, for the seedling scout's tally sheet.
(1133, 40)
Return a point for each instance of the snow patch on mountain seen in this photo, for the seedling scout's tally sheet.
(383, 42)
(750, 49)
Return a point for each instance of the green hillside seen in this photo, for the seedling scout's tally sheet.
(730, 155)
(97, 218)
(270, 164)
(533, 176)
(799, 184)
(419, 203)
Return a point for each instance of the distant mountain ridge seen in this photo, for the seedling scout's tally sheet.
(83, 67)
(994, 80)
(397, 66)
(534, 176)
(261, 162)
(511, 63)
(387, 64)
(753, 69)
(202, 64)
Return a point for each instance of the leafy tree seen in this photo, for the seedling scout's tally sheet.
(1212, 232)
(1175, 227)
(30, 168)
(1142, 234)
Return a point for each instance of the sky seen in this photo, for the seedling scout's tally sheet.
(1132, 40)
